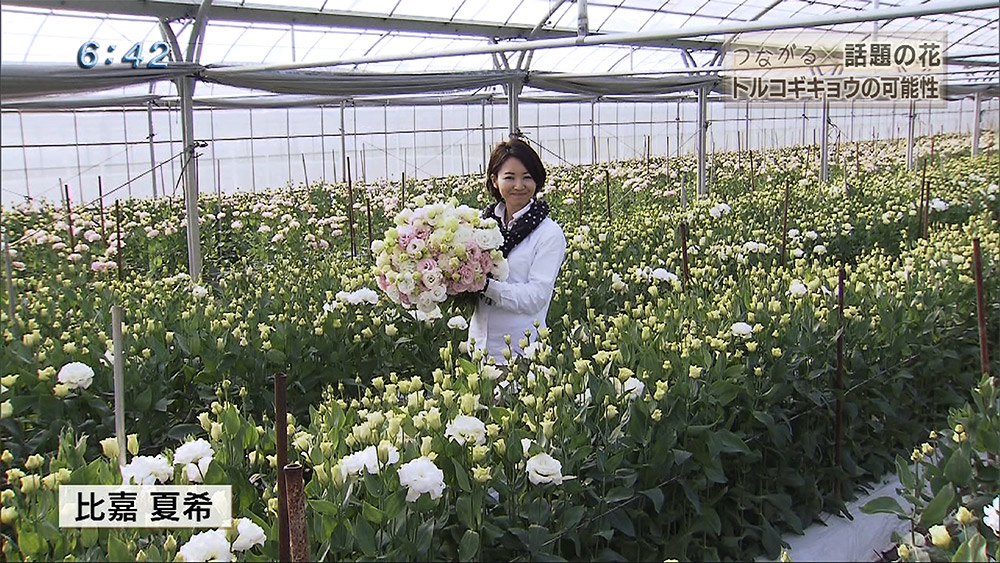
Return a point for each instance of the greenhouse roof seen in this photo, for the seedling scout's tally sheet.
(384, 36)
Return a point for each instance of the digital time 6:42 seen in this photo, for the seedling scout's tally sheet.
(89, 55)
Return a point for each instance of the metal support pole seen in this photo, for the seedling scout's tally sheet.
(9, 268)
(119, 379)
(343, 141)
(593, 132)
(977, 123)
(281, 437)
(486, 147)
(296, 504)
(911, 125)
(824, 139)
(190, 179)
(702, 138)
(512, 106)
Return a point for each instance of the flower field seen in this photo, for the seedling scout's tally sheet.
(659, 416)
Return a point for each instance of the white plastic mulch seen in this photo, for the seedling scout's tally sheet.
(862, 539)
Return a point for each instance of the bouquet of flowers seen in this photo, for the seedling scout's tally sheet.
(436, 251)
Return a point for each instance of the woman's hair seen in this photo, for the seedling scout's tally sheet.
(522, 151)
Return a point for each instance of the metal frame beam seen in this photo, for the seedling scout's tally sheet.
(644, 37)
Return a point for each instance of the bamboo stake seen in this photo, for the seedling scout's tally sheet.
(305, 173)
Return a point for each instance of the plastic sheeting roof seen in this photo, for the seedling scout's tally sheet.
(285, 31)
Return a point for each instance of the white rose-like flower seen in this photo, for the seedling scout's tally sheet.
(544, 469)
(458, 322)
(742, 329)
(663, 275)
(819, 249)
(421, 476)
(194, 451)
(207, 546)
(490, 372)
(991, 515)
(798, 289)
(250, 535)
(76, 375)
(432, 278)
(466, 429)
(146, 470)
(937, 204)
(199, 291)
(196, 471)
(632, 386)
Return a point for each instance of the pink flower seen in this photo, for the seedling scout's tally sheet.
(426, 265)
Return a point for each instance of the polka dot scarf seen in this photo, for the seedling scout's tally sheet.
(521, 227)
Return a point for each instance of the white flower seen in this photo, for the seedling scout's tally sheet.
(466, 429)
(819, 249)
(797, 253)
(544, 469)
(237, 225)
(421, 476)
(207, 546)
(632, 386)
(663, 275)
(250, 535)
(937, 204)
(76, 375)
(798, 289)
(196, 471)
(458, 322)
(363, 295)
(742, 329)
(490, 372)
(146, 470)
(794, 233)
(199, 291)
(427, 317)
(719, 210)
(192, 452)
(811, 235)
(992, 516)
(366, 459)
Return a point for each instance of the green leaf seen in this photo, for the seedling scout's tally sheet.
(619, 494)
(887, 505)
(425, 533)
(371, 513)
(620, 521)
(938, 507)
(958, 470)
(469, 546)
(30, 543)
(117, 550)
(463, 507)
(906, 476)
(972, 549)
(364, 535)
(656, 496)
(324, 507)
(462, 476)
(88, 537)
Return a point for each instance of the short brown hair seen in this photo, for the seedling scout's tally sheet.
(522, 151)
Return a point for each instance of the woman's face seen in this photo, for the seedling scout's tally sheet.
(516, 185)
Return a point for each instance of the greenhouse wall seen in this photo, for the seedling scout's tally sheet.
(250, 150)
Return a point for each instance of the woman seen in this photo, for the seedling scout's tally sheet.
(534, 246)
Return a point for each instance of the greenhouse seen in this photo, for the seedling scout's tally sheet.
(540, 280)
